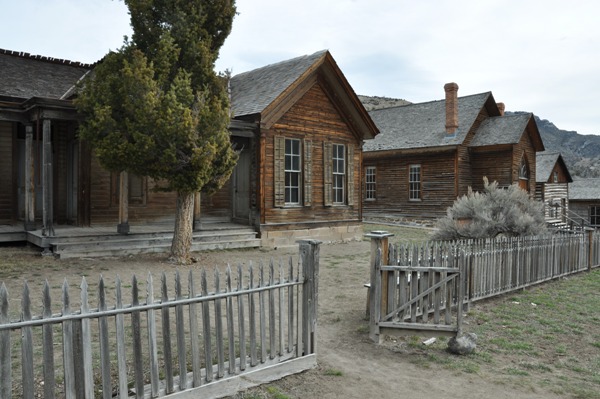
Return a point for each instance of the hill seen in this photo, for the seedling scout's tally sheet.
(580, 152)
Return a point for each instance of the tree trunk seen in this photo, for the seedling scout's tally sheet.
(182, 235)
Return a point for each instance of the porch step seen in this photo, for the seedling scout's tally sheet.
(120, 245)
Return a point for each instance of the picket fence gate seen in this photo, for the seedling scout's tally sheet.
(205, 344)
(421, 288)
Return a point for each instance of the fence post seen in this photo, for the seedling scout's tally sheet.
(309, 255)
(378, 292)
(590, 236)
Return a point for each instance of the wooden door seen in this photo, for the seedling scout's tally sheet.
(241, 188)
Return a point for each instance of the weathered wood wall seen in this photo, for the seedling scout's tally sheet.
(495, 165)
(553, 194)
(437, 184)
(158, 206)
(313, 117)
(581, 208)
(7, 173)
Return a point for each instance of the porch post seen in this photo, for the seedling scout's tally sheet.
(197, 224)
(123, 226)
(47, 183)
(29, 180)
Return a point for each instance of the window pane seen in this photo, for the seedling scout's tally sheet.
(292, 171)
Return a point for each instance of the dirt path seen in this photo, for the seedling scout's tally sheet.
(349, 364)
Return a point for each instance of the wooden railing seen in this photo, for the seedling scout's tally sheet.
(253, 325)
(402, 291)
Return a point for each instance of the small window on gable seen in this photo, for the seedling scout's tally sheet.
(370, 183)
(555, 177)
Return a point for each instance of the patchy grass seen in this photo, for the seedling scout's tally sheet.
(546, 338)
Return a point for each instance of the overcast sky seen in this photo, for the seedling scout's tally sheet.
(541, 56)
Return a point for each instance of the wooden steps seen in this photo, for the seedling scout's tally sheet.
(83, 246)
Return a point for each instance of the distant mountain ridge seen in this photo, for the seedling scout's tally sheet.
(580, 152)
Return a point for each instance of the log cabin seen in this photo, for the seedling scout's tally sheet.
(428, 154)
(552, 180)
(298, 127)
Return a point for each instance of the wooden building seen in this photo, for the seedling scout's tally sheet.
(428, 154)
(297, 124)
(552, 180)
(300, 128)
(584, 201)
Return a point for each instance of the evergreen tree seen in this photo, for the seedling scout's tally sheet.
(157, 108)
(494, 211)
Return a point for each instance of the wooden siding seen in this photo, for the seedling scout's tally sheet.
(437, 185)
(159, 205)
(495, 165)
(218, 204)
(581, 209)
(313, 118)
(7, 174)
(526, 148)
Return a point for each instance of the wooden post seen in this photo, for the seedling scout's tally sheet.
(29, 180)
(309, 255)
(378, 291)
(590, 234)
(123, 226)
(197, 207)
(47, 172)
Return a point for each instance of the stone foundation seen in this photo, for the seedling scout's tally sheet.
(285, 238)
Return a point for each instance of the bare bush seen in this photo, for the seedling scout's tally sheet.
(495, 211)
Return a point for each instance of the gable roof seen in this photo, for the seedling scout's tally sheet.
(424, 124)
(585, 189)
(544, 164)
(506, 129)
(253, 91)
(25, 76)
(267, 91)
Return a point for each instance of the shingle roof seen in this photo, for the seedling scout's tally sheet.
(25, 76)
(584, 189)
(507, 129)
(544, 164)
(253, 91)
(424, 124)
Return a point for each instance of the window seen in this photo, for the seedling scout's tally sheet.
(524, 174)
(595, 215)
(339, 173)
(414, 182)
(292, 171)
(555, 177)
(370, 184)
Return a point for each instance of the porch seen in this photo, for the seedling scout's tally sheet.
(103, 240)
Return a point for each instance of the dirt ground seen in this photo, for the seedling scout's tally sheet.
(349, 364)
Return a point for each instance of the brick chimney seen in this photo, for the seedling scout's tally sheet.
(501, 108)
(451, 107)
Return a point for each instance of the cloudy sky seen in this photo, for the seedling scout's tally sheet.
(541, 56)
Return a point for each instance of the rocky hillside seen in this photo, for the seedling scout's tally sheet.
(580, 152)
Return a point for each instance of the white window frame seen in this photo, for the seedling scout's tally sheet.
(595, 215)
(370, 183)
(338, 158)
(293, 169)
(414, 182)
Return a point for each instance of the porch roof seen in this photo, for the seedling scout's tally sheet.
(25, 76)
